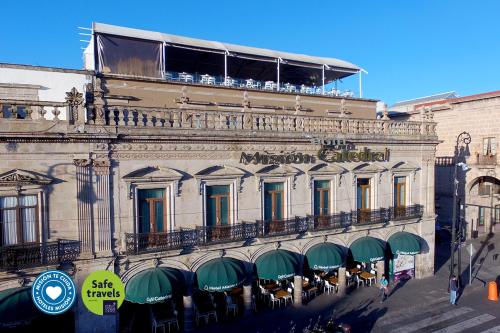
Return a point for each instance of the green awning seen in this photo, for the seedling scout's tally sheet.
(368, 249)
(404, 243)
(17, 307)
(154, 285)
(221, 274)
(277, 265)
(325, 257)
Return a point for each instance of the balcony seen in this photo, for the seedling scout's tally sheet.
(211, 235)
(20, 256)
(486, 160)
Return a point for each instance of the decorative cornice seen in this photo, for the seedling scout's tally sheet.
(18, 177)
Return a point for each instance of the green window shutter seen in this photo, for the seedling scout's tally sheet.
(321, 184)
(211, 211)
(224, 207)
(217, 189)
(211, 204)
(279, 206)
(144, 212)
(268, 201)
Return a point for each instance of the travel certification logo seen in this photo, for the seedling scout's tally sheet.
(53, 292)
(103, 292)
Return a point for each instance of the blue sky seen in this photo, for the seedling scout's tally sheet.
(410, 48)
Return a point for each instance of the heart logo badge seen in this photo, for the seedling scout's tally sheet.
(53, 292)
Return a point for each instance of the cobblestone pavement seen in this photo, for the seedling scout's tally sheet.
(414, 306)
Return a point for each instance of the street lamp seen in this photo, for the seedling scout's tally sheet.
(465, 138)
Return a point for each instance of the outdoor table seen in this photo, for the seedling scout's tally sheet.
(281, 293)
(272, 287)
(310, 289)
(367, 276)
(354, 270)
(333, 280)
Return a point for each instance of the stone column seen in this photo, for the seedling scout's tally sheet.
(84, 198)
(342, 281)
(247, 299)
(102, 229)
(187, 301)
(86, 321)
(430, 186)
(297, 291)
(380, 269)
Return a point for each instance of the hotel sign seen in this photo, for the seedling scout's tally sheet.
(366, 155)
(326, 154)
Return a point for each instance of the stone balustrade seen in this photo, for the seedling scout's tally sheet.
(150, 118)
(251, 121)
(38, 110)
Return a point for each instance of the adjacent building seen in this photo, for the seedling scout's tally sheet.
(176, 153)
(479, 187)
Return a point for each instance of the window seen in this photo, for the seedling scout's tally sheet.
(480, 219)
(363, 199)
(497, 214)
(273, 201)
(321, 197)
(152, 210)
(400, 192)
(218, 207)
(18, 219)
(489, 146)
(363, 194)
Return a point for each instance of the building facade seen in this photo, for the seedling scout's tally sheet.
(479, 187)
(148, 172)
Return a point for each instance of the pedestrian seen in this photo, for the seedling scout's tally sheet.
(384, 288)
(453, 290)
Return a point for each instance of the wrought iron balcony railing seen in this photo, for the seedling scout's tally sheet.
(206, 235)
(19, 256)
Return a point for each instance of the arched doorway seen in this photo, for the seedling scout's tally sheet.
(482, 205)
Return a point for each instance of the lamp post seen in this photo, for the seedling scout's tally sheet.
(465, 138)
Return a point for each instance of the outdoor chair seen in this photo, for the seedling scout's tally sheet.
(288, 297)
(349, 278)
(358, 281)
(273, 300)
(231, 306)
(329, 288)
(155, 324)
(264, 294)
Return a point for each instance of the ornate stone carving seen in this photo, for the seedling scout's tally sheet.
(75, 101)
(184, 97)
(298, 104)
(385, 113)
(246, 101)
(74, 98)
(101, 167)
(343, 108)
(19, 177)
(82, 162)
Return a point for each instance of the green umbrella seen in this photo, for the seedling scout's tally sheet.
(221, 274)
(404, 243)
(154, 285)
(277, 265)
(367, 249)
(17, 307)
(325, 257)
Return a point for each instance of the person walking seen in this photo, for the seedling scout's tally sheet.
(384, 288)
(453, 290)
